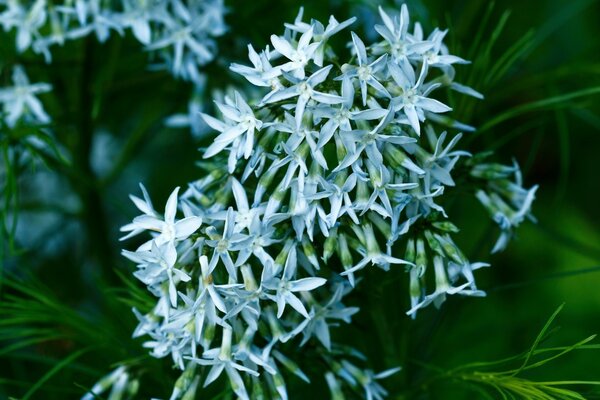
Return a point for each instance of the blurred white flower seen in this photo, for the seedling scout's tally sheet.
(20, 101)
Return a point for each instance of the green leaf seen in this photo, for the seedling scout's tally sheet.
(554, 102)
(53, 371)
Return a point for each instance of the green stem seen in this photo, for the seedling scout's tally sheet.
(93, 213)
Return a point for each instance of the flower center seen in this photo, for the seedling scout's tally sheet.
(364, 72)
(305, 90)
(222, 245)
(169, 232)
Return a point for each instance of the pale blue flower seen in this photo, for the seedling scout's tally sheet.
(359, 142)
(321, 317)
(169, 230)
(366, 72)
(509, 203)
(299, 135)
(192, 119)
(338, 194)
(298, 55)
(443, 288)
(118, 381)
(320, 33)
(437, 56)
(340, 118)
(262, 73)
(382, 183)
(158, 265)
(146, 207)
(101, 21)
(240, 120)
(219, 359)
(262, 236)
(222, 244)
(366, 379)
(199, 314)
(412, 100)
(27, 21)
(371, 252)
(20, 101)
(286, 286)
(398, 41)
(304, 91)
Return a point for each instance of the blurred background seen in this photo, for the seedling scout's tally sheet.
(536, 62)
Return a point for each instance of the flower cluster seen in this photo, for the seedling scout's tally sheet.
(178, 35)
(333, 171)
(507, 201)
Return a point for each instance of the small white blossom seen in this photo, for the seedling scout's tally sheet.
(412, 101)
(366, 72)
(285, 286)
(509, 204)
(167, 228)
(304, 90)
(241, 120)
(298, 55)
(20, 101)
(220, 360)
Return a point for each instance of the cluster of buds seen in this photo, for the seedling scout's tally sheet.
(333, 170)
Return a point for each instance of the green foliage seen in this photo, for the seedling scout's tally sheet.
(510, 383)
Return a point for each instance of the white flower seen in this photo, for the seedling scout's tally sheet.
(158, 265)
(366, 379)
(304, 91)
(168, 229)
(230, 240)
(365, 71)
(412, 100)
(220, 360)
(285, 287)
(371, 252)
(241, 120)
(20, 101)
(298, 55)
(398, 41)
(28, 22)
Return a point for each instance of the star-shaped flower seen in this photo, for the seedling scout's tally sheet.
(20, 100)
